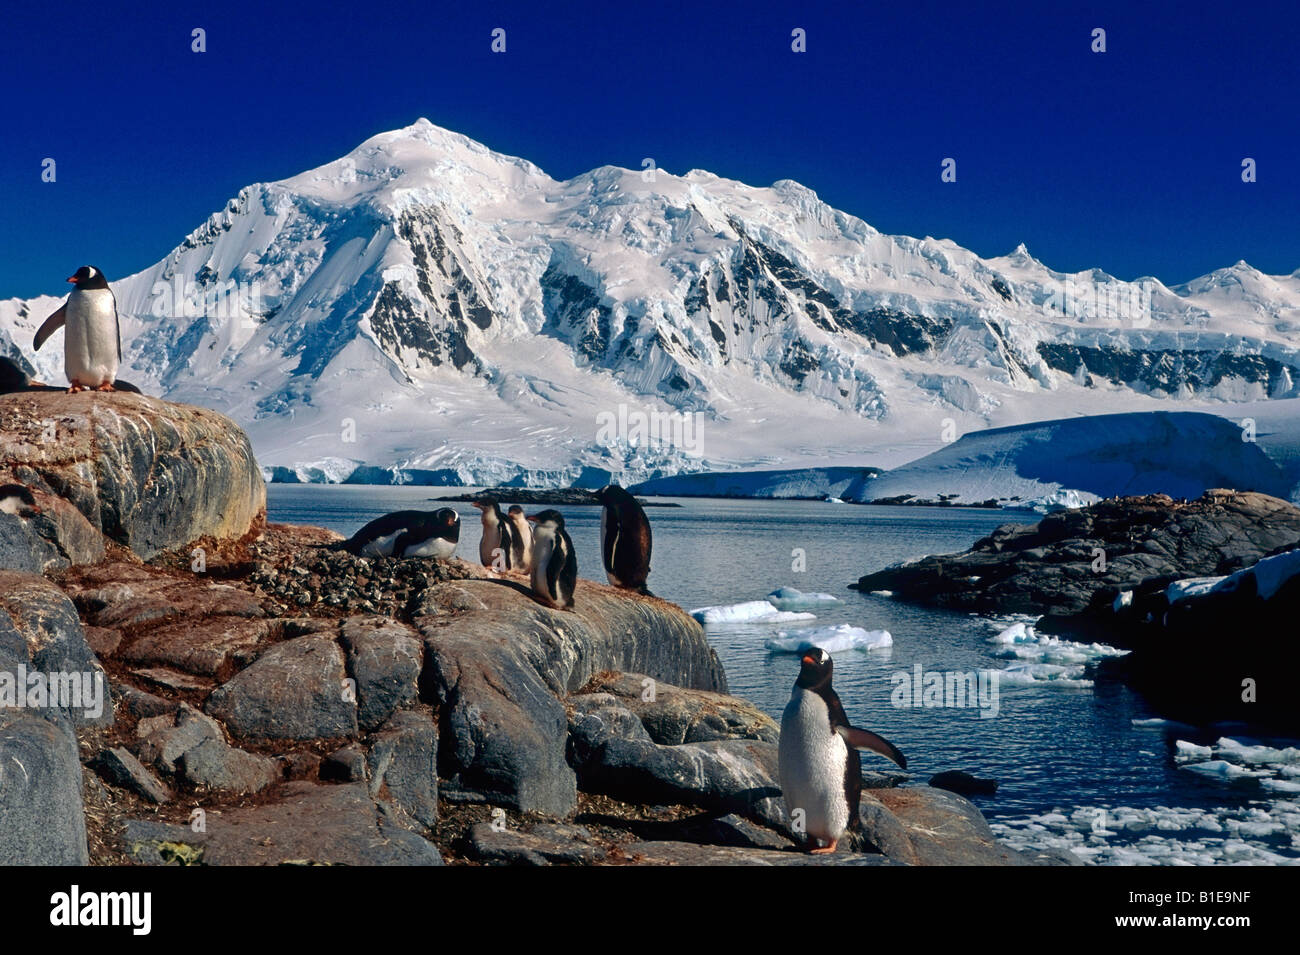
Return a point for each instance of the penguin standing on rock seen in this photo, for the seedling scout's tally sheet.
(494, 547)
(554, 570)
(407, 534)
(521, 539)
(92, 337)
(624, 539)
(817, 759)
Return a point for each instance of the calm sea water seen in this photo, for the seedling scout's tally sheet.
(1051, 748)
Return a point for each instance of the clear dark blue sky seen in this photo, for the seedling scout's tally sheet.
(1128, 160)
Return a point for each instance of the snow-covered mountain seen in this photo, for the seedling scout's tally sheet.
(427, 308)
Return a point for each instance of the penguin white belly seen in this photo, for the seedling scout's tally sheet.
(90, 339)
(489, 547)
(811, 762)
(543, 546)
(433, 547)
(382, 546)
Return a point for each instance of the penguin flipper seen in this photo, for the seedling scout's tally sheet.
(865, 739)
(50, 326)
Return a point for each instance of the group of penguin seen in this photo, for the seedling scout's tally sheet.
(543, 550)
(818, 760)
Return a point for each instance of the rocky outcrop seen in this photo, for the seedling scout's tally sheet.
(499, 668)
(148, 474)
(1206, 650)
(50, 684)
(1069, 559)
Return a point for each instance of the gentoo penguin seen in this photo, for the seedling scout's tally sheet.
(18, 499)
(554, 570)
(817, 759)
(521, 539)
(494, 547)
(624, 539)
(92, 339)
(407, 534)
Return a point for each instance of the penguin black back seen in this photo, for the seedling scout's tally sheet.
(625, 539)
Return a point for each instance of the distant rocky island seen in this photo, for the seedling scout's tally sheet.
(564, 496)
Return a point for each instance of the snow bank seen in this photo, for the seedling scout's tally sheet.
(1075, 460)
(831, 639)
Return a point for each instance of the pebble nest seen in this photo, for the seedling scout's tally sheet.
(316, 579)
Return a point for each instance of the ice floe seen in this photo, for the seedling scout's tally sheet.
(787, 598)
(749, 611)
(831, 639)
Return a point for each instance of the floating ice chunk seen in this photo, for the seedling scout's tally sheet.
(1125, 599)
(750, 611)
(882, 593)
(1256, 755)
(1046, 674)
(1223, 769)
(1186, 750)
(1281, 785)
(1021, 641)
(830, 639)
(787, 598)
(1157, 723)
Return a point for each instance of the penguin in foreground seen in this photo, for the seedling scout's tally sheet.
(92, 336)
(817, 760)
(624, 539)
(13, 379)
(521, 539)
(407, 534)
(554, 570)
(494, 547)
(18, 499)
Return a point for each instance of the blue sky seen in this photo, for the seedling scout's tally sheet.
(1128, 160)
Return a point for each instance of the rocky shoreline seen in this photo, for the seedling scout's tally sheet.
(274, 701)
(1203, 594)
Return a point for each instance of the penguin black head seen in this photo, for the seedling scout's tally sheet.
(815, 668)
(18, 499)
(613, 495)
(515, 509)
(548, 516)
(489, 504)
(446, 516)
(88, 277)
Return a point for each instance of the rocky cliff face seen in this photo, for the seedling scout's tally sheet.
(147, 474)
